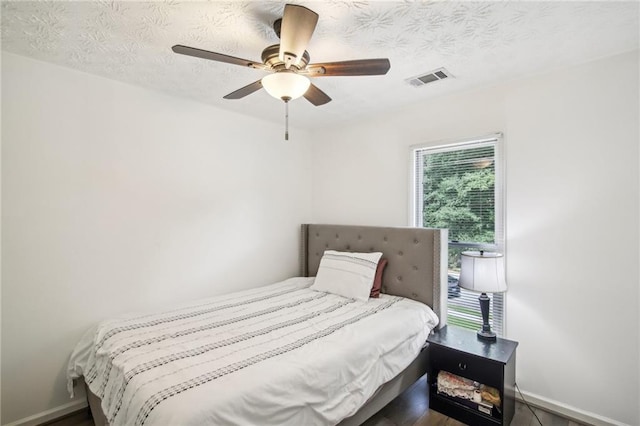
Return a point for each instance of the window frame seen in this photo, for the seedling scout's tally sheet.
(416, 201)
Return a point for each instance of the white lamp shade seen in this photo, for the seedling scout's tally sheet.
(482, 272)
(286, 84)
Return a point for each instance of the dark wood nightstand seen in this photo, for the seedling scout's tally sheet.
(462, 353)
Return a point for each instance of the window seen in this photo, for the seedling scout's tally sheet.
(458, 186)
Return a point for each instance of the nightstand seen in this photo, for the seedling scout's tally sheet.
(462, 353)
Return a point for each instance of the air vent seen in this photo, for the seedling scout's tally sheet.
(430, 77)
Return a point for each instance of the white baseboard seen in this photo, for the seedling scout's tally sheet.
(565, 410)
(54, 413)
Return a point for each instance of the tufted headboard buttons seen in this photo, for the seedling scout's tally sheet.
(417, 257)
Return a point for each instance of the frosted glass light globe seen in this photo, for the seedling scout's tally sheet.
(286, 84)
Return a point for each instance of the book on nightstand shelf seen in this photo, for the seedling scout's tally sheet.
(469, 393)
(483, 407)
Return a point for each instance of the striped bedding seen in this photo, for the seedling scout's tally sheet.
(279, 354)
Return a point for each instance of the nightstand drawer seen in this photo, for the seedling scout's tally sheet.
(466, 365)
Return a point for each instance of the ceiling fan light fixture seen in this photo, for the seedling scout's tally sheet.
(286, 84)
(289, 61)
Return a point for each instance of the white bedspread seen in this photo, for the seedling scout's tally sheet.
(277, 355)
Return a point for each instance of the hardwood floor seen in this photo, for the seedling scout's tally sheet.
(412, 409)
(79, 418)
(409, 409)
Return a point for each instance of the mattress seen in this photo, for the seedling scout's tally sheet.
(282, 354)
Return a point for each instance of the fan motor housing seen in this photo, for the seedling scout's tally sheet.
(271, 59)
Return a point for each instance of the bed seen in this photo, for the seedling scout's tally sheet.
(295, 356)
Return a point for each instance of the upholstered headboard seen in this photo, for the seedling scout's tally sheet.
(417, 267)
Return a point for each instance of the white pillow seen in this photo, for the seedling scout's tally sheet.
(347, 274)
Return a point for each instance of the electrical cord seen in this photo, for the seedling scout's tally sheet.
(528, 406)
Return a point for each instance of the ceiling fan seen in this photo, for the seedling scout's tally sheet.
(288, 62)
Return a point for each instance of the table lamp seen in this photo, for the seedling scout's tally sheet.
(484, 273)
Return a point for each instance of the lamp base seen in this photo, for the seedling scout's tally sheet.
(487, 335)
(485, 332)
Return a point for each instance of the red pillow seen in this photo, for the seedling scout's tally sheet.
(377, 280)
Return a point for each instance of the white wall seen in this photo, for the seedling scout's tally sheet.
(116, 199)
(572, 160)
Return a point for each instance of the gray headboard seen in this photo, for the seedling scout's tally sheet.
(417, 267)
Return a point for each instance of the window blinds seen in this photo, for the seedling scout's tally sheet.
(459, 187)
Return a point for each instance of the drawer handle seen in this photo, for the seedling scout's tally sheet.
(462, 366)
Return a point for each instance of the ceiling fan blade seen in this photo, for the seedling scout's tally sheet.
(244, 91)
(346, 68)
(316, 96)
(205, 54)
(298, 24)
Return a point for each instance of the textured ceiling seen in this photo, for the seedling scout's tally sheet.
(480, 43)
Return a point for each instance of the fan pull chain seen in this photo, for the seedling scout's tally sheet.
(286, 121)
(286, 100)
